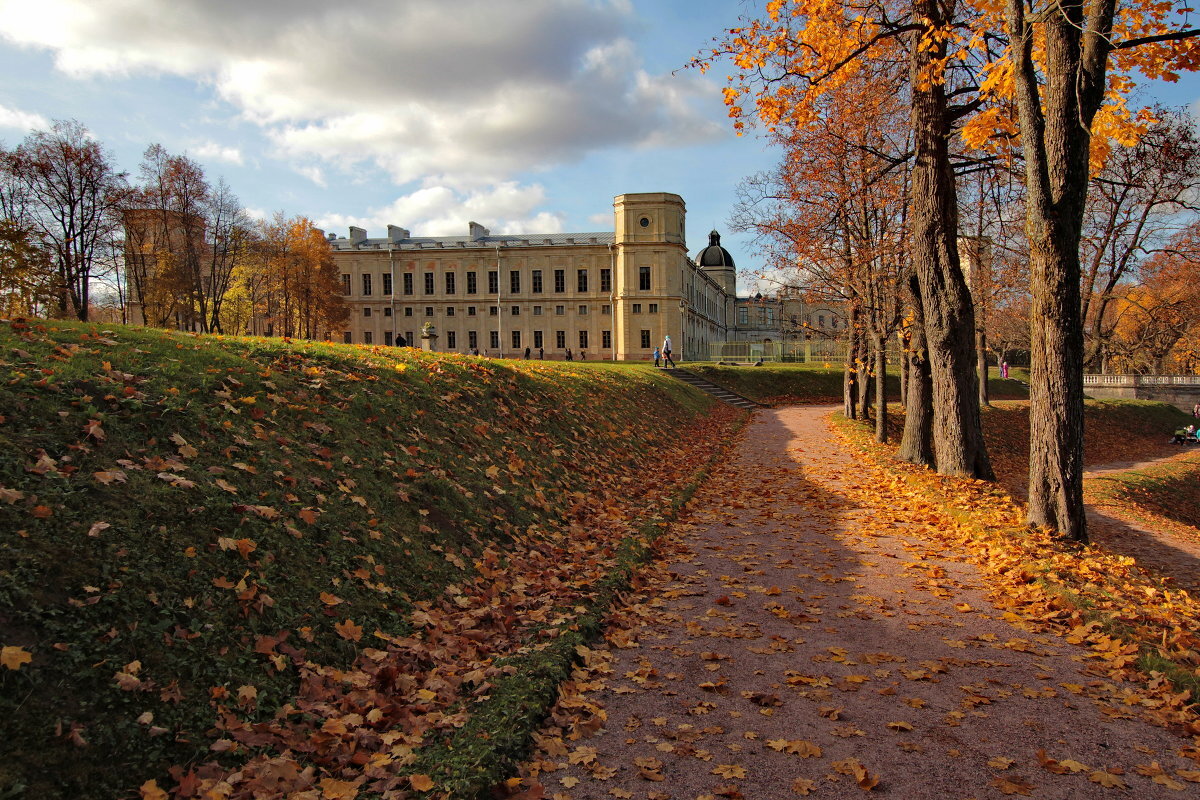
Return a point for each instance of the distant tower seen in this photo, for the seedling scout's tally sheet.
(716, 261)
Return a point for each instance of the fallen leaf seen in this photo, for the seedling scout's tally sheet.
(13, 657)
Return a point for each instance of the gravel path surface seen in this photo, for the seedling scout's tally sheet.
(793, 642)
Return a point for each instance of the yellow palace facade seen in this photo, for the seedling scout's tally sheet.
(608, 295)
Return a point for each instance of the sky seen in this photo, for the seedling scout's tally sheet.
(527, 116)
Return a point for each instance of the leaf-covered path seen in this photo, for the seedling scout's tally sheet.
(803, 636)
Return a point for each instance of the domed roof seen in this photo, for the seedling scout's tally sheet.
(714, 255)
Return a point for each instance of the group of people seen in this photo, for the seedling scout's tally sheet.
(1188, 435)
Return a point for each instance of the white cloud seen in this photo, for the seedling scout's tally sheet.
(22, 120)
(212, 151)
(439, 210)
(476, 91)
(313, 173)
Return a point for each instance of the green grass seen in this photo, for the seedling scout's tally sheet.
(168, 499)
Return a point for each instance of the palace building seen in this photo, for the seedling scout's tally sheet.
(610, 295)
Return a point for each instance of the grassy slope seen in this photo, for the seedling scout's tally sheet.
(166, 500)
(811, 383)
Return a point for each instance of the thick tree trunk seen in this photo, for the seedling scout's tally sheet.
(905, 345)
(867, 379)
(881, 389)
(949, 316)
(1055, 139)
(916, 443)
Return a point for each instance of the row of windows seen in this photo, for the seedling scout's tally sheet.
(516, 337)
(559, 277)
(493, 311)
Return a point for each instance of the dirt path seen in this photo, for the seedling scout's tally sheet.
(794, 643)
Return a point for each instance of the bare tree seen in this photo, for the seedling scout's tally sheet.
(73, 193)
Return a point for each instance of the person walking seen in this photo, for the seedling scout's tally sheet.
(657, 356)
(666, 353)
(528, 352)
(1004, 370)
(569, 357)
(541, 354)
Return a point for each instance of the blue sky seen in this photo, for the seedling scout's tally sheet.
(523, 115)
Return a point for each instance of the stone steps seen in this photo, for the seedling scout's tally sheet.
(718, 392)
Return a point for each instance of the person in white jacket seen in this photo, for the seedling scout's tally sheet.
(666, 352)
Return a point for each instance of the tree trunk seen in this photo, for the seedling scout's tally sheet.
(851, 383)
(866, 378)
(881, 389)
(916, 443)
(949, 316)
(981, 355)
(905, 346)
(1055, 139)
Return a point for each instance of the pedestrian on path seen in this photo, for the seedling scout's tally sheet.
(1004, 373)
(666, 352)
(527, 353)
(658, 357)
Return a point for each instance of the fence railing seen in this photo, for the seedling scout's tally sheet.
(1118, 381)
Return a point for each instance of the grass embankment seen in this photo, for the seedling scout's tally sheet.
(1165, 496)
(781, 384)
(199, 536)
(1137, 627)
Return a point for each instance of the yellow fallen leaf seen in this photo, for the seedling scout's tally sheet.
(13, 657)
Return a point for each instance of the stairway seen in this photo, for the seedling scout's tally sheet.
(711, 388)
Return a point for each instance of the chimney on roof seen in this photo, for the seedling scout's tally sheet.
(478, 231)
(397, 234)
(357, 235)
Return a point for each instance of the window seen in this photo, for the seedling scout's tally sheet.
(537, 281)
(605, 309)
(583, 311)
(583, 339)
(450, 283)
(494, 283)
(637, 308)
(560, 310)
(514, 281)
(606, 339)
(387, 338)
(833, 322)
(429, 311)
(537, 339)
(387, 284)
(472, 284)
(408, 283)
(428, 283)
(516, 311)
(743, 315)
(537, 311)
(494, 337)
(560, 339)
(450, 311)
(347, 338)
(654, 308)
(451, 339)
(821, 321)
(606, 280)
(581, 281)
(470, 311)
(472, 339)
(408, 311)
(387, 312)
(493, 311)
(408, 337)
(644, 278)
(367, 311)
(645, 338)
(367, 337)
(560, 280)
(366, 283)
(346, 283)
(516, 339)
